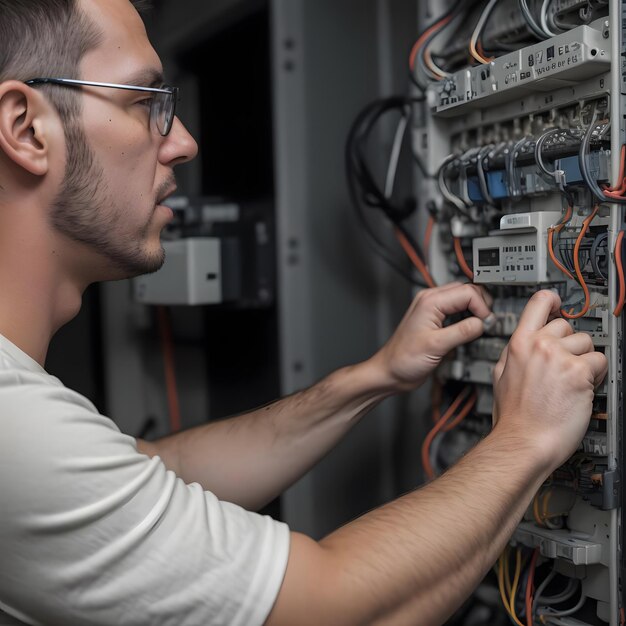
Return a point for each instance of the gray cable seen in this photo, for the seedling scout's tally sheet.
(579, 605)
(445, 191)
(565, 595)
(545, 6)
(530, 20)
(542, 587)
(539, 151)
(396, 149)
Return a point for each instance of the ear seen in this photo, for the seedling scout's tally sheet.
(25, 126)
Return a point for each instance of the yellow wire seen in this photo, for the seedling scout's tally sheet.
(507, 573)
(503, 595)
(518, 570)
(546, 505)
(501, 583)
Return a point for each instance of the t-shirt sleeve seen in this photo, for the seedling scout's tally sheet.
(94, 533)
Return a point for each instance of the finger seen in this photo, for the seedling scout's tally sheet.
(578, 344)
(598, 364)
(487, 297)
(538, 310)
(450, 337)
(500, 365)
(559, 328)
(462, 298)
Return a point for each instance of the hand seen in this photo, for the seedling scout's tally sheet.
(544, 382)
(421, 341)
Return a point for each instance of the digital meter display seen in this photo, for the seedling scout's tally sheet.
(489, 257)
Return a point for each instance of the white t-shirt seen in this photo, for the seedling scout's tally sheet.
(94, 533)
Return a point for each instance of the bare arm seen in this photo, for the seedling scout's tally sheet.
(252, 458)
(415, 560)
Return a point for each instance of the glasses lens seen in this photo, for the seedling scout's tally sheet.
(163, 110)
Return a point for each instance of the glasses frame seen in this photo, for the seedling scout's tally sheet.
(170, 103)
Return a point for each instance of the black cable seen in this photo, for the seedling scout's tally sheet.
(600, 243)
(363, 188)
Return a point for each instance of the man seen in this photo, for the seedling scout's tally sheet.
(97, 528)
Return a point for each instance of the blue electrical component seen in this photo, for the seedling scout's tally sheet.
(473, 190)
(598, 164)
(572, 170)
(496, 183)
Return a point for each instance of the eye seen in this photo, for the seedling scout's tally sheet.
(146, 102)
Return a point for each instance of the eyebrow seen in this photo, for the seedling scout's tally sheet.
(149, 77)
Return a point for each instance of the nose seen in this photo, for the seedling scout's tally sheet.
(178, 147)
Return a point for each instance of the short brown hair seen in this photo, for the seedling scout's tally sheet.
(47, 39)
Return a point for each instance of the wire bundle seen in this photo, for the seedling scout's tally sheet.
(535, 604)
(421, 54)
(577, 267)
(365, 191)
(554, 231)
(508, 588)
(445, 423)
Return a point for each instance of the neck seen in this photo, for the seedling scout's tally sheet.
(39, 293)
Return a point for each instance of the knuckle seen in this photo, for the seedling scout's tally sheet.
(516, 345)
(579, 370)
(466, 330)
(544, 346)
(562, 326)
(587, 342)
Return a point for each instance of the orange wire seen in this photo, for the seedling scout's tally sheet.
(530, 588)
(428, 236)
(579, 274)
(466, 269)
(478, 53)
(421, 268)
(620, 274)
(441, 423)
(418, 44)
(167, 345)
(462, 415)
(558, 228)
(430, 64)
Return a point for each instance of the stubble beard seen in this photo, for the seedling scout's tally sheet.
(85, 212)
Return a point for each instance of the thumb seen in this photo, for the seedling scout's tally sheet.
(450, 337)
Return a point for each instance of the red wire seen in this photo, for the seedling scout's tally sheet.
(167, 346)
(530, 588)
(466, 269)
(620, 274)
(579, 274)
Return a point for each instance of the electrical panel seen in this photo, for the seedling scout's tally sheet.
(519, 132)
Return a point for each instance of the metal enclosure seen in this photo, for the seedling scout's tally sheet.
(487, 121)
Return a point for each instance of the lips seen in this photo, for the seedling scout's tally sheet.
(165, 196)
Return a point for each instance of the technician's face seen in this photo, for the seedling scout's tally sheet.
(118, 168)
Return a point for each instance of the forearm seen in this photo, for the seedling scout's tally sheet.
(252, 458)
(416, 559)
